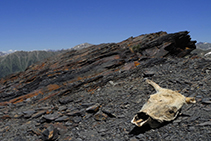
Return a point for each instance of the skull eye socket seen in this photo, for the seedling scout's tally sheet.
(171, 111)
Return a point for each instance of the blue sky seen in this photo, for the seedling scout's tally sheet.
(61, 24)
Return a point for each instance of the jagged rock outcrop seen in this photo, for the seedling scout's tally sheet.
(162, 44)
(73, 69)
(93, 93)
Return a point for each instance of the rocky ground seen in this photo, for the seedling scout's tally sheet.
(93, 93)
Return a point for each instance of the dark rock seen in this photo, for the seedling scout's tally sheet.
(108, 112)
(4, 117)
(63, 118)
(78, 100)
(5, 129)
(43, 108)
(93, 109)
(50, 133)
(191, 129)
(61, 127)
(36, 131)
(117, 139)
(70, 108)
(121, 116)
(138, 99)
(207, 109)
(165, 44)
(62, 108)
(29, 113)
(51, 117)
(102, 130)
(86, 104)
(206, 101)
(134, 139)
(18, 115)
(177, 121)
(19, 139)
(75, 113)
(148, 73)
(141, 137)
(208, 123)
(79, 139)
(2, 107)
(100, 116)
(65, 100)
(68, 123)
(18, 105)
(38, 114)
(76, 119)
(194, 117)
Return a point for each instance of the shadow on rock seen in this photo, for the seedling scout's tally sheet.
(141, 130)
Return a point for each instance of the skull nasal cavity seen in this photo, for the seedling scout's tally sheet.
(142, 115)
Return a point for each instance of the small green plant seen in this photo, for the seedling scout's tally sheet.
(136, 48)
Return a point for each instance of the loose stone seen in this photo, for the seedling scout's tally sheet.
(75, 113)
(38, 114)
(208, 123)
(50, 133)
(100, 116)
(51, 116)
(62, 108)
(77, 119)
(94, 108)
(108, 112)
(206, 101)
(63, 118)
(28, 114)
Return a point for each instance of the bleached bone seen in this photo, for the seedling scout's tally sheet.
(161, 106)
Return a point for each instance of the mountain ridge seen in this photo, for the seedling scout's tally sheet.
(19, 60)
(2, 53)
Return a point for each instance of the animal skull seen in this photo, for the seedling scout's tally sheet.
(160, 107)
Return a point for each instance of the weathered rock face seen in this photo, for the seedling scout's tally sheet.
(93, 93)
(78, 67)
(162, 44)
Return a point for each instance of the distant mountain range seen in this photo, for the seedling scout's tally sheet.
(203, 45)
(203, 49)
(20, 60)
(81, 46)
(1, 53)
